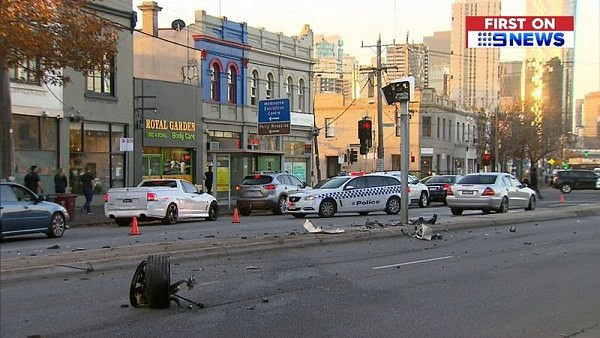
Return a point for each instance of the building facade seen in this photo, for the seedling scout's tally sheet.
(408, 60)
(438, 47)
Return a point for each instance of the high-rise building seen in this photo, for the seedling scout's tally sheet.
(408, 60)
(473, 71)
(510, 84)
(438, 47)
(539, 59)
(333, 67)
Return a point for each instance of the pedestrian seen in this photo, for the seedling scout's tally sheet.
(87, 182)
(33, 181)
(534, 182)
(60, 181)
(208, 179)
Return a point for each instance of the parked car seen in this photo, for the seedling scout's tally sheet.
(567, 180)
(266, 191)
(361, 194)
(438, 186)
(489, 192)
(166, 199)
(24, 212)
(417, 191)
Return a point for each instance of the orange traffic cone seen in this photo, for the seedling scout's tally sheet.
(134, 227)
(561, 199)
(236, 217)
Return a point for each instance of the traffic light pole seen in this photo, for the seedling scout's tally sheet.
(405, 146)
(379, 105)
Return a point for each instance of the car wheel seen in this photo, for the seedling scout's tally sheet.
(363, 213)
(123, 222)
(566, 188)
(213, 212)
(503, 206)
(392, 206)
(57, 225)
(158, 278)
(171, 214)
(531, 205)
(299, 215)
(423, 200)
(280, 209)
(456, 211)
(138, 284)
(327, 208)
(245, 211)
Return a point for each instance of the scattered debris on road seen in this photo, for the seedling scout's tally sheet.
(53, 247)
(311, 228)
(512, 229)
(252, 267)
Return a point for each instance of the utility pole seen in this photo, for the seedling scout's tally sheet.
(380, 149)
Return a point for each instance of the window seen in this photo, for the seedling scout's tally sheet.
(443, 128)
(215, 73)
(438, 128)
(231, 84)
(457, 131)
(426, 129)
(301, 90)
(254, 88)
(25, 73)
(329, 128)
(289, 91)
(102, 80)
(270, 85)
(463, 132)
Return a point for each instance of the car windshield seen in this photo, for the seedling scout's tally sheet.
(257, 180)
(478, 179)
(332, 183)
(440, 179)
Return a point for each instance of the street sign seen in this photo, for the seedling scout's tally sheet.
(274, 117)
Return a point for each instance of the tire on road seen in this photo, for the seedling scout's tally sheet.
(503, 206)
(456, 211)
(158, 275)
(171, 215)
(280, 208)
(423, 200)
(531, 204)
(245, 211)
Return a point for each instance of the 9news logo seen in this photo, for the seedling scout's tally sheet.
(520, 32)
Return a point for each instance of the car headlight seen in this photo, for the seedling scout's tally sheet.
(310, 197)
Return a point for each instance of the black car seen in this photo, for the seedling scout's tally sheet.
(266, 191)
(24, 212)
(438, 186)
(567, 180)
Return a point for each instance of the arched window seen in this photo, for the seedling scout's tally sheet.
(301, 96)
(215, 73)
(231, 84)
(270, 85)
(289, 91)
(254, 88)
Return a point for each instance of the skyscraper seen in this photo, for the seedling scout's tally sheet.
(408, 60)
(473, 71)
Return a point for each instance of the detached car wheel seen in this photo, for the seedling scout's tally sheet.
(57, 225)
(158, 275)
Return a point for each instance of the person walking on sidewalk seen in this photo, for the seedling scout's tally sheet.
(60, 181)
(534, 182)
(33, 181)
(208, 179)
(87, 180)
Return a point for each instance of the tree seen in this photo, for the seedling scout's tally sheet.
(55, 34)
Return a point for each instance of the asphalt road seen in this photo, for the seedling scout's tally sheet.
(259, 224)
(539, 281)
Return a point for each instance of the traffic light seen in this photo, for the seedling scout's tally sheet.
(365, 132)
(353, 156)
(486, 159)
(412, 158)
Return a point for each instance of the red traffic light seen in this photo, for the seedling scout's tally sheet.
(367, 125)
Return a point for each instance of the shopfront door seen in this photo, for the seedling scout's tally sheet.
(152, 165)
(222, 179)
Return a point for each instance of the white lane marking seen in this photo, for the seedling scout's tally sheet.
(413, 262)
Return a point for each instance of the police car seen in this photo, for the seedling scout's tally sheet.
(361, 194)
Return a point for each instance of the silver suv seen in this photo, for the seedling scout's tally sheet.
(266, 191)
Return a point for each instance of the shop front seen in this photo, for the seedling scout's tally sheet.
(169, 149)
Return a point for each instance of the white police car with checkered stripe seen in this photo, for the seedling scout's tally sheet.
(361, 194)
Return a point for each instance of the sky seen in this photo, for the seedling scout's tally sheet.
(360, 22)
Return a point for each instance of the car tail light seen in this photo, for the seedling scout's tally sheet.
(446, 186)
(238, 188)
(409, 189)
(270, 187)
(449, 192)
(106, 197)
(488, 192)
(151, 197)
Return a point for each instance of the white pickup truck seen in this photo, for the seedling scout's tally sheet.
(164, 199)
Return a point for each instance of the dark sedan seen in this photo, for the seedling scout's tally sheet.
(23, 212)
(438, 186)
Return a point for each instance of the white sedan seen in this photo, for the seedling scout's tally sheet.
(418, 192)
(489, 192)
